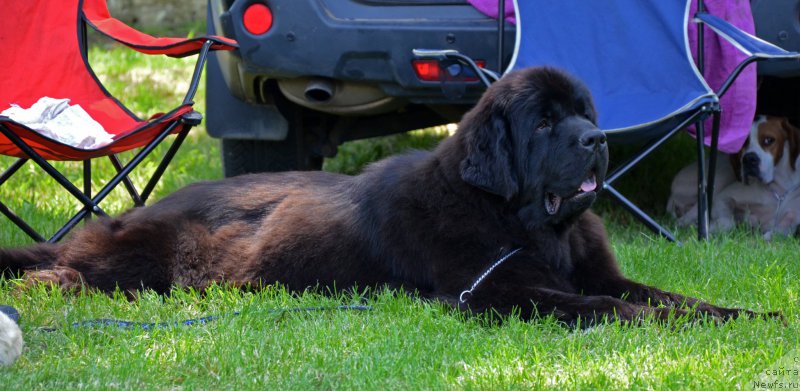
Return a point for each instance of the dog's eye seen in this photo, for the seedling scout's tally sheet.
(767, 141)
(543, 124)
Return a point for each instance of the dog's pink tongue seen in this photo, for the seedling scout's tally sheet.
(589, 184)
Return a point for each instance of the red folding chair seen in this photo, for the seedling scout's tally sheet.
(44, 52)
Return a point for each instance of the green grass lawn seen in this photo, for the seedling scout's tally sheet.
(401, 343)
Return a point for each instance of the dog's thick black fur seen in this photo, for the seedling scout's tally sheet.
(521, 172)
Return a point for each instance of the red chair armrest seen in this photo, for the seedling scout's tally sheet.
(96, 14)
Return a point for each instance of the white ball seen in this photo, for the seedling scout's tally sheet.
(10, 340)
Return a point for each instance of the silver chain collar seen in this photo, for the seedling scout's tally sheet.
(486, 274)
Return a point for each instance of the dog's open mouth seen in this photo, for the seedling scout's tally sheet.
(552, 202)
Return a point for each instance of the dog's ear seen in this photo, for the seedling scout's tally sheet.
(736, 163)
(489, 158)
(793, 138)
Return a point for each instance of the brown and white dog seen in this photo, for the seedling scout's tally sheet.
(759, 186)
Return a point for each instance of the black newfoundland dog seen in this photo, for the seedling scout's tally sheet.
(495, 219)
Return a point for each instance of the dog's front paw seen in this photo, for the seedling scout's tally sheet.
(719, 224)
(688, 218)
(733, 313)
(776, 315)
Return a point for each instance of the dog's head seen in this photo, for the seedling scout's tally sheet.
(533, 140)
(772, 141)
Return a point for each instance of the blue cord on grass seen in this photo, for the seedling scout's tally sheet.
(197, 321)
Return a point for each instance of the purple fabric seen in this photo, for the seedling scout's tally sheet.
(489, 7)
(739, 102)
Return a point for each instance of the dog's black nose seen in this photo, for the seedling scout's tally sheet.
(750, 159)
(593, 139)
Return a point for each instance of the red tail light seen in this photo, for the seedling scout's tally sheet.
(431, 70)
(257, 19)
(427, 70)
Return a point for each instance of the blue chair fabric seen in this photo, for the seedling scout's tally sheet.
(633, 55)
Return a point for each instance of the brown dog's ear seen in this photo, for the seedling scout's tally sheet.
(793, 138)
(488, 161)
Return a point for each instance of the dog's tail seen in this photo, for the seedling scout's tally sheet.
(13, 261)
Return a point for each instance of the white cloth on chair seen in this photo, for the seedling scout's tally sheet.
(58, 120)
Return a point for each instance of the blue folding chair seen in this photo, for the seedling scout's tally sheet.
(635, 58)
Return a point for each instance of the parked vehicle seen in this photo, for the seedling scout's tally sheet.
(312, 74)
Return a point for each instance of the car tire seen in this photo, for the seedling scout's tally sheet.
(252, 156)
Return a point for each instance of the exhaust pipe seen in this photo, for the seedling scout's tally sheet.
(320, 90)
